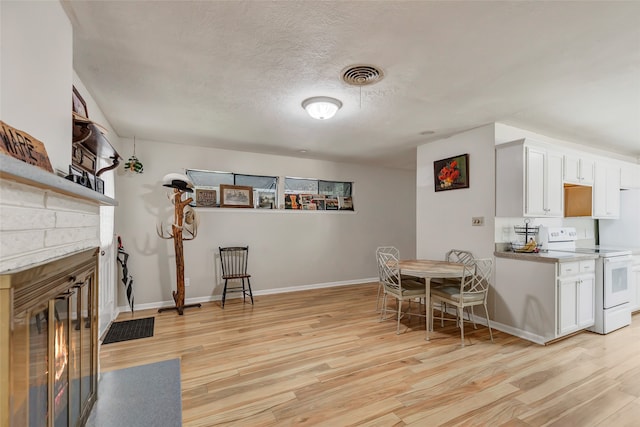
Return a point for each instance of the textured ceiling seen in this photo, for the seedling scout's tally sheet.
(233, 74)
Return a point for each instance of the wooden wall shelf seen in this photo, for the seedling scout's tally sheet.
(89, 143)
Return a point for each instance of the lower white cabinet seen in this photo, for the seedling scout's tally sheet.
(542, 299)
(576, 296)
(635, 284)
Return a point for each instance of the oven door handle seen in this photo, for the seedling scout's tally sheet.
(626, 258)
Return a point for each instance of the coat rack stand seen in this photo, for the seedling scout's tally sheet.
(176, 235)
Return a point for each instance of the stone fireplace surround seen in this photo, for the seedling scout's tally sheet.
(43, 218)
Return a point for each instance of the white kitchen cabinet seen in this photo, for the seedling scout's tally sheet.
(586, 301)
(578, 170)
(635, 284)
(540, 299)
(528, 180)
(576, 296)
(567, 306)
(606, 191)
(629, 175)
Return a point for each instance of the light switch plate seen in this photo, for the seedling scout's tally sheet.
(477, 220)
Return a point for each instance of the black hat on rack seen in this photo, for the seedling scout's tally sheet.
(179, 181)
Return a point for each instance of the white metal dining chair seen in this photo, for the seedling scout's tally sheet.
(473, 290)
(454, 255)
(461, 257)
(396, 253)
(398, 288)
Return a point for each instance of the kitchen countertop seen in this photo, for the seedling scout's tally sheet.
(550, 256)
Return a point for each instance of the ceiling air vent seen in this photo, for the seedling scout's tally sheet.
(362, 75)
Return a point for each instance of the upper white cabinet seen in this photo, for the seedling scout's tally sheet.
(606, 191)
(528, 180)
(543, 183)
(578, 170)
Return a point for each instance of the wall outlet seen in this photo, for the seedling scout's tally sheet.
(187, 282)
(477, 220)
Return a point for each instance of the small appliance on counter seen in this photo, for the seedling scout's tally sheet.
(528, 243)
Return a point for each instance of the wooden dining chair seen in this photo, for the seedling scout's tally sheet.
(472, 291)
(394, 285)
(234, 267)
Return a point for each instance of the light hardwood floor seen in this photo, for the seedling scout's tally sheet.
(321, 357)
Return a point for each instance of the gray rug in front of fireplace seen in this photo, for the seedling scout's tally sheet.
(141, 396)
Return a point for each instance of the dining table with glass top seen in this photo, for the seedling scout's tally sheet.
(429, 269)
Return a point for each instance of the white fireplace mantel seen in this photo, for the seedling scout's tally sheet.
(44, 216)
(17, 170)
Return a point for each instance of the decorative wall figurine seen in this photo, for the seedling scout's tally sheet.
(133, 164)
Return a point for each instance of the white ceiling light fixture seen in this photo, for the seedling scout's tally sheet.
(321, 107)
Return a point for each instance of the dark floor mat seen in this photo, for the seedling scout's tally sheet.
(129, 330)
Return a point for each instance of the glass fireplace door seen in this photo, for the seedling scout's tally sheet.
(61, 355)
(50, 379)
(38, 409)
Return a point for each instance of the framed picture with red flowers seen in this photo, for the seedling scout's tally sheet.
(451, 173)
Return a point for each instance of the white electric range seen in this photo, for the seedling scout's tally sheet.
(613, 277)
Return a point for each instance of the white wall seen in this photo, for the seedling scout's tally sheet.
(36, 80)
(444, 218)
(36, 71)
(288, 250)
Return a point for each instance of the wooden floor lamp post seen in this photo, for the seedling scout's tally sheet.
(184, 220)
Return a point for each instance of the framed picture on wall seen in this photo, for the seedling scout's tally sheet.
(205, 198)
(345, 203)
(99, 185)
(266, 200)
(451, 173)
(236, 196)
(331, 203)
(77, 104)
(292, 201)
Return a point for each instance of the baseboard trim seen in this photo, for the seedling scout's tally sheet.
(519, 333)
(506, 329)
(210, 298)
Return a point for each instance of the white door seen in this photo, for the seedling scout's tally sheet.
(107, 308)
